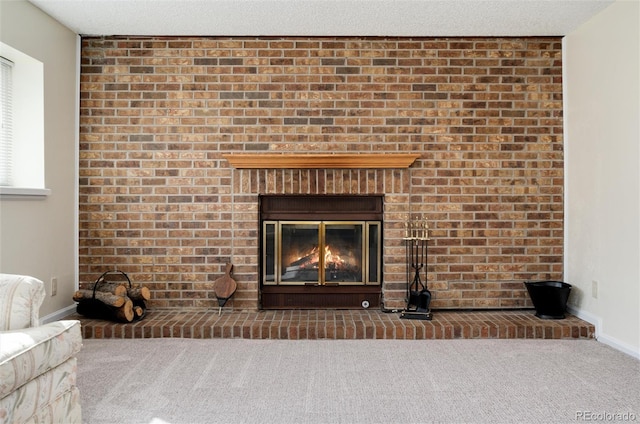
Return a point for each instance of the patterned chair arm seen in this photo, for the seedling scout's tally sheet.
(20, 299)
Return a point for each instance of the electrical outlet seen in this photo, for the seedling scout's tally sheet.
(54, 286)
(594, 289)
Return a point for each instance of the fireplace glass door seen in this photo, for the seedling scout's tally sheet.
(321, 253)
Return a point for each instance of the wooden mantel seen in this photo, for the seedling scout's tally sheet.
(318, 161)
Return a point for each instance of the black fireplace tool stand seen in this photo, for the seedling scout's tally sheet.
(418, 295)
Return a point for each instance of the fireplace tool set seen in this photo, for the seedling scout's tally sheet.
(418, 295)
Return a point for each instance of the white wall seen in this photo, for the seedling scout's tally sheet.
(38, 236)
(602, 142)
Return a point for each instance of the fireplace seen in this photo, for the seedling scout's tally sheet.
(320, 251)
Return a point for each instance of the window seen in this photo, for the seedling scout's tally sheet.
(6, 122)
(22, 142)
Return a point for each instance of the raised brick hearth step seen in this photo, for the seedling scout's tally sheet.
(339, 324)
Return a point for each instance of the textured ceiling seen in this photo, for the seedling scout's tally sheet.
(323, 17)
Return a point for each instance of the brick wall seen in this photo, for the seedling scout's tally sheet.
(158, 201)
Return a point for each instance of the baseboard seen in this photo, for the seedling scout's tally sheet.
(604, 338)
(619, 345)
(58, 315)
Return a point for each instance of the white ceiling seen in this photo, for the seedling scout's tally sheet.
(323, 17)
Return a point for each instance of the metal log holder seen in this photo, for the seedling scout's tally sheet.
(418, 295)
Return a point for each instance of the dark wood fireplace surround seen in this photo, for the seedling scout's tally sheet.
(320, 208)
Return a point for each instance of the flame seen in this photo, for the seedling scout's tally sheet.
(313, 258)
(330, 258)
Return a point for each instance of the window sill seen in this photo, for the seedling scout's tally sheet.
(27, 192)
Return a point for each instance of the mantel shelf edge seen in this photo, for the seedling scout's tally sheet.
(318, 161)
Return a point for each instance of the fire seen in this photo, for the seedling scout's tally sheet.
(337, 267)
(330, 258)
(312, 259)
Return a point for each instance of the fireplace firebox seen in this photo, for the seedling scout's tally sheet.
(321, 251)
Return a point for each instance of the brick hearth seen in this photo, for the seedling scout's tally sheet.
(339, 324)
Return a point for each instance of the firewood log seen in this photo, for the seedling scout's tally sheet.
(139, 293)
(119, 289)
(125, 312)
(138, 312)
(106, 298)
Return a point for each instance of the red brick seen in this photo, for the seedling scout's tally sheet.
(157, 114)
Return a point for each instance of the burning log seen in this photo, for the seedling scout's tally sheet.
(337, 267)
(310, 259)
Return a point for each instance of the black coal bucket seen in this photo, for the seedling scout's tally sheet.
(549, 298)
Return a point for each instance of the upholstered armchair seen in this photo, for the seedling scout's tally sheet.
(37, 362)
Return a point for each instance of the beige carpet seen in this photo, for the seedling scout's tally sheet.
(356, 381)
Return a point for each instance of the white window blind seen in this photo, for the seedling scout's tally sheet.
(6, 122)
